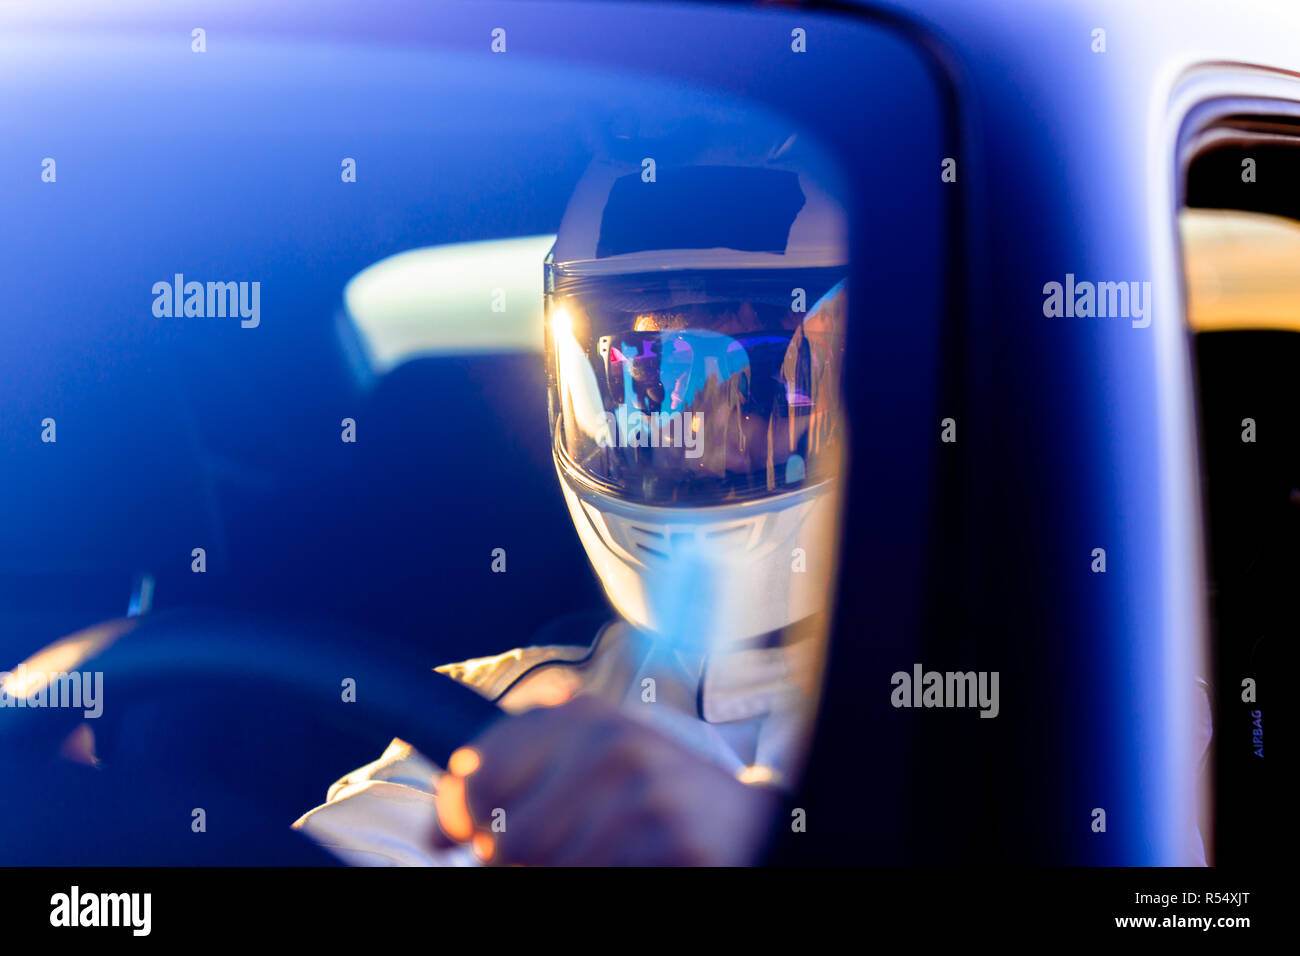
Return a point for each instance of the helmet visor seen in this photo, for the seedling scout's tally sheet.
(696, 388)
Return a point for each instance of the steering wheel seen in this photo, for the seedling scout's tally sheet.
(288, 673)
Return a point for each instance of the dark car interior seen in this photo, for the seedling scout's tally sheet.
(360, 541)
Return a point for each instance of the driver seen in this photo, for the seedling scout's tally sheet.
(694, 336)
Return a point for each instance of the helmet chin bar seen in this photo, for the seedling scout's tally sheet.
(705, 577)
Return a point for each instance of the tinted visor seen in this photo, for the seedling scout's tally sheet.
(697, 388)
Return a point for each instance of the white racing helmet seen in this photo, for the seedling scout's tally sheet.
(694, 334)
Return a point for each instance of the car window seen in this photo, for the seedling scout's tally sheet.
(1240, 236)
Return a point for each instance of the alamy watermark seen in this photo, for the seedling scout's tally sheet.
(922, 688)
(631, 428)
(28, 688)
(74, 908)
(181, 299)
(1102, 300)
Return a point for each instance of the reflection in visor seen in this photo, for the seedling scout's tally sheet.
(700, 402)
(657, 367)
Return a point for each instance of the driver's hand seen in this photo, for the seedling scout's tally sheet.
(582, 784)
